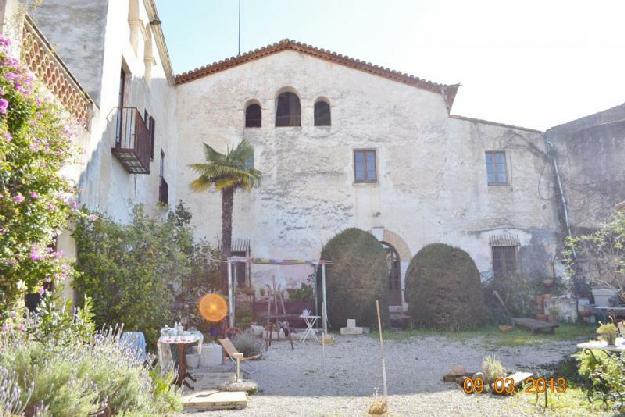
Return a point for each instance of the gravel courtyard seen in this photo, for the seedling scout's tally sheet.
(340, 380)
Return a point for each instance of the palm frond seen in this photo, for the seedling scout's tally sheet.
(227, 170)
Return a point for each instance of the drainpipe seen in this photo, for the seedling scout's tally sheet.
(565, 209)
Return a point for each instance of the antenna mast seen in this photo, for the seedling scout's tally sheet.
(239, 53)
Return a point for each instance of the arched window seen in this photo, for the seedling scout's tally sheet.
(289, 110)
(252, 115)
(322, 113)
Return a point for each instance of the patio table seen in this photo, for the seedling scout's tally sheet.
(310, 324)
(182, 342)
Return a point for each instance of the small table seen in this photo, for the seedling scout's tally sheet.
(310, 324)
(181, 343)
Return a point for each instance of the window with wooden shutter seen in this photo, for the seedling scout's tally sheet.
(496, 168)
(504, 261)
(365, 165)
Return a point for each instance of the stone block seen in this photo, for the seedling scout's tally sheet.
(212, 400)
(351, 323)
(351, 331)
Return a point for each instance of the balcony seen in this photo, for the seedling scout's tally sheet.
(163, 192)
(132, 141)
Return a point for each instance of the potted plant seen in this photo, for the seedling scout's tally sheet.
(608, 333)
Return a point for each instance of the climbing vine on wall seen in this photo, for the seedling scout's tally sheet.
(35, 199)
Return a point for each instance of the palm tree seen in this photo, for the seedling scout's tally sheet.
(227, 172)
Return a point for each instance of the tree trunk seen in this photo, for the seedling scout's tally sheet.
(227, 204)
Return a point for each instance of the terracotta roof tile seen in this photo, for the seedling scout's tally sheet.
(447, 91)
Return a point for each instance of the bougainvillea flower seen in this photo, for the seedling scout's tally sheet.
(4, 106)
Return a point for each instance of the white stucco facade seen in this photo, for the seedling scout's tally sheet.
(432, 184)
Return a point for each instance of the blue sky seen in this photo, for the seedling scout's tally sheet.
(533, 63)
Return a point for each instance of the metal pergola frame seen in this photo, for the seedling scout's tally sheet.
(280, 262)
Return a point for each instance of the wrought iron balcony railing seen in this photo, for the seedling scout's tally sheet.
(132, 141)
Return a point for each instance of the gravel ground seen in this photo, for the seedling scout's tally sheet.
(340, 380)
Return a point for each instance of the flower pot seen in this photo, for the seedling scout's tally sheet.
(610, 338)
(540, 316)
(548, 282)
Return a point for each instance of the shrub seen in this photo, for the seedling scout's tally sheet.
(132, 272)
(356, 277)
(35, 199)
(79, 379)
(517, 293)
(443, 289)
(606, 373)
(599, 256)
(247, 344)
(492, 369)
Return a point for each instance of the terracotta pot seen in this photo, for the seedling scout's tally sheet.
(541, 316)
(539, 300)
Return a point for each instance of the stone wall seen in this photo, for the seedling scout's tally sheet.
(590, 152)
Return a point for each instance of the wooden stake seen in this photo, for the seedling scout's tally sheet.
(377, 307)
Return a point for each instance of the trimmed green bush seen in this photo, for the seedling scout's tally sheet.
(443, 289)
(357, 276)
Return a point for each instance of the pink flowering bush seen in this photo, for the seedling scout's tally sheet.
(35, 200)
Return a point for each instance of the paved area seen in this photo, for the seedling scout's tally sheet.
(339, 381)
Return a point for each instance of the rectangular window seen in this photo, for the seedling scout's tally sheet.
(365, 169)
(496, 169)
(504, 261)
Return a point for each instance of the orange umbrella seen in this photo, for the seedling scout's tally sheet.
(213, 307)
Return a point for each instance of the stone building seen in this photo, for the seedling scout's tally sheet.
(340, 143)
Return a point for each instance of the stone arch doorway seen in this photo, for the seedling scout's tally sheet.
(393, 263)
(399, 258)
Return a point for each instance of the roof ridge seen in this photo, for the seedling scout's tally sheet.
(447, 91)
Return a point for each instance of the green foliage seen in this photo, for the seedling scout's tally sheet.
(35, 198)
(600, 255)
(304, 293)
(248, 344)
(356, 277)
(443, 289)
(492, 369)
(229, 170)
(130, 271)
(491, 335)
(607, 377)
(55, 321)
(82, 377)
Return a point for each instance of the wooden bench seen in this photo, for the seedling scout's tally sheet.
(534, 325)
(235, 355)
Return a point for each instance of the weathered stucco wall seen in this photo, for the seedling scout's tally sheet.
(75, 28)
(110, 45)
(590, 153)
(432, 183)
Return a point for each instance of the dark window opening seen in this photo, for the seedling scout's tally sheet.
(496, 169)
(504, 261)
(322, 114)
(151, 129)
(253, 115)
(365, 166)
(288, 111)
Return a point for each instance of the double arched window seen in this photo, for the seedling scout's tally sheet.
(288, 110)
(322, 113)
(253, 115)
